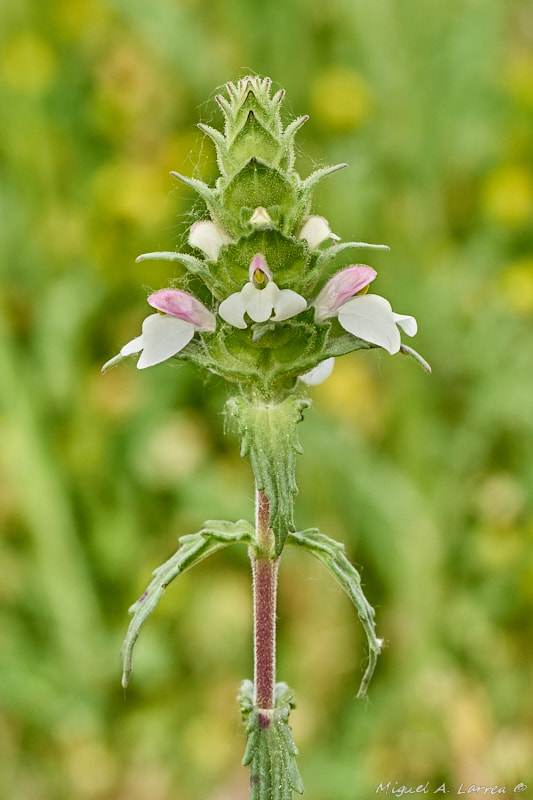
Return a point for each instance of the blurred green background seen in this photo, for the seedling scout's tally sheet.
(428, 480)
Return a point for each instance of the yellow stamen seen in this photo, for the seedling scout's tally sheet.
(260, 278)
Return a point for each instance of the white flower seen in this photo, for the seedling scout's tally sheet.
(316, 230)
(259, 298)
(319, 373)
(208, 238)
(166, 333)
(368, 316)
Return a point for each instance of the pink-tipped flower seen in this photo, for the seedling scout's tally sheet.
(260, 298)
(341, 287)
(165, 334)
(367, 316)
(183, 306)
(316, 230)
(209, 238)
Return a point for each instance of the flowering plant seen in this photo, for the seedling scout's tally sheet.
(274, 314)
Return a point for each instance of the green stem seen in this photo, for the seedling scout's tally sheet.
(265, 572)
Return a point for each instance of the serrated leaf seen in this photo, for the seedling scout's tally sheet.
(270, 750)
(194, 547)
(269, 438)
(331, 554)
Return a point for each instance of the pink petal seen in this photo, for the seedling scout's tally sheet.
(184, 306)
(341, 287)
(259, 262)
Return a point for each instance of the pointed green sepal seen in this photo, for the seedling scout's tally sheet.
(331, 554)
(309, 183)
(269, 439)
(335, 249)
(219, 140)
(270, 750)
(194, 547)
(287, 143)
(408, 351)
(205, 192)
(193, 265)
(209, 196)
(253, 141)
(305, 190)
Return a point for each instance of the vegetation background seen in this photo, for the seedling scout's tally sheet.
(428, 480)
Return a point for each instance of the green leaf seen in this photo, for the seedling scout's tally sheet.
(270, 750)
(331, 554)
(194, 547)
(269, 438)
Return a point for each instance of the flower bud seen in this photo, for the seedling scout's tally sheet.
(208, 238)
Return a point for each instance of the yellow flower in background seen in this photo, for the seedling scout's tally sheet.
(27, 63)
(507, 196)
(518, 78)
(131, 190)
(351, 393)
(517, 286)
(341, 99)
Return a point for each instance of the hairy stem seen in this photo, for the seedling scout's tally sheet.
(265, 572)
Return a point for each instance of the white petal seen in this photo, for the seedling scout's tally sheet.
(163, 336)
(232, 310)
(260, 302)
(208, 238)
(287, 304)
(135, 346)
(407, 324)
(371, 318)
(319, 373)
(315, 231)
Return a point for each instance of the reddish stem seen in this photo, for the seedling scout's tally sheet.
(265, 572)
